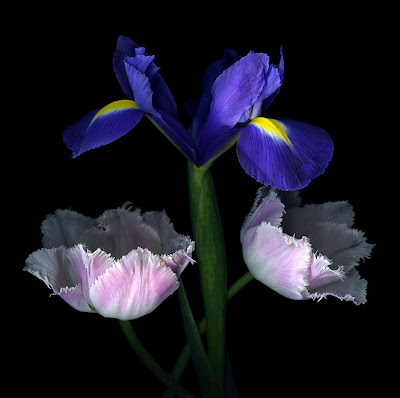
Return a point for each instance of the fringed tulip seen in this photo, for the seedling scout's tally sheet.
(307, 252)
(121, 265)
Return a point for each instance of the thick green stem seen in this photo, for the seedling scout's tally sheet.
(211, 257)
(151, 363)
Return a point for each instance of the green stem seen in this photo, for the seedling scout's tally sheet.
(151, 363)
(240, 284)
(211, 257)
(201, 364)
(184, 356)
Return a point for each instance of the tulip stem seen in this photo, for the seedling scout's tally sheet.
(151, 363)
(185, 354)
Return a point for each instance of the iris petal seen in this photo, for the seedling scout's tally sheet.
(102, 126)
(233, 93)
(283, 153)
(125, 47)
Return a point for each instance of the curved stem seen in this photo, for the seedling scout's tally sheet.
(185, 354)
(151, 363)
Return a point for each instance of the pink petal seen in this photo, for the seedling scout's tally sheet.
(267, 207)
(64, 271)
(134, 286)
(321, 274)
(177, 249)
(278, 260)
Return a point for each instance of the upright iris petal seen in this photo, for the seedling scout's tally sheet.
(305, 252)
(234, 92)
(129, 263)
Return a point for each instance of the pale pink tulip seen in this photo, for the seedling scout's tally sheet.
(304, 252)
(121, 265)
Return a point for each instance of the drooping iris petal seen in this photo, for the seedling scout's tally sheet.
(283, 153)
(102, 126)
(313, 267)
(134, 286)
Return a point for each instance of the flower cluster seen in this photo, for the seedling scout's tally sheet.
(282, 153)
(124, 264)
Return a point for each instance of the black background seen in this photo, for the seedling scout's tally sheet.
(60, 66)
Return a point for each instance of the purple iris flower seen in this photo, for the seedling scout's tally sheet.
(146, 93)
(282, 153)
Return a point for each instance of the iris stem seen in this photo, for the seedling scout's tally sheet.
(151, 363)
(211, 258)
(185, 354)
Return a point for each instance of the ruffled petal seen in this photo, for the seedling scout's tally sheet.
(321, 274)
(177, 249)
(343, 245)
(283, 153)
(119, 231)
(267, 207)
(326, 268)
(125, 48)
(299, 220)
(64, 271)
(352, 288)
(268, 100)
(134, 286)
(277, 260)
(102, 126)
(64, 228)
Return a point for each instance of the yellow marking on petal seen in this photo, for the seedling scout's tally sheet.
(115, 106)
(273, 128)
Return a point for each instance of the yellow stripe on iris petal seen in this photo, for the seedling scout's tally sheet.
(273, 128)
(115, 107)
